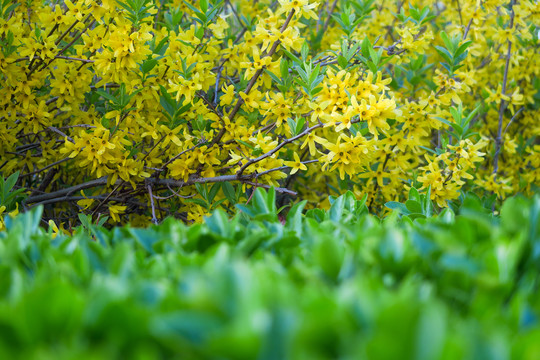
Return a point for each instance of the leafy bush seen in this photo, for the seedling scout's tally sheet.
(136, 109)
(325, 285)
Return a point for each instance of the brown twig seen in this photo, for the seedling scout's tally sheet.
(276, 149)
(278, 189)
(54, 129)
(330, 12)
(45, 168)
(87, 61)
(282, 168)
(467, 29)
(107, 197)
(511, 120)
(65, 192)
(154, 218)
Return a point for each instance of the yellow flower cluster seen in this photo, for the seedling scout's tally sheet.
(448, 172)
(146, 104)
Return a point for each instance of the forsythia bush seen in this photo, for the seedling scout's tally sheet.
(139, 109)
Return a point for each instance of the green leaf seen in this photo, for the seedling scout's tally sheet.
(293, 57)
(194, 326)
(249, 146)
(213, 192)
(204, 5)
(336, 210)
(199, 202)
(304, 51)
(342, 61)
(10, 182)
(329, 256)
(428, 206)
(228, 191)
(219, 224)
(461, 49)
(284, 68)
(413, 206)
(145, 237)
(292, 125)
(294, 217)
(270, 198)
(168, 106)
(447, 42)
(445, 54)
(148, 65)
(366, 46)
(374, 56)
(431, 332)
(413, 194)
(397, 206)
(472, 114)
(192, 8)
(299, 125)
(107, 96)
(444, 121)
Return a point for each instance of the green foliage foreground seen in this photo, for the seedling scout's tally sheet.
(337, 284)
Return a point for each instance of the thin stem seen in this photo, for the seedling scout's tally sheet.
(154, 218)
(511, 120)
(45, 168)
(330, 12)
(276, 149)
(278, 189)
(107, 197)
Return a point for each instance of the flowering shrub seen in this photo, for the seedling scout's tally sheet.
(141, 109)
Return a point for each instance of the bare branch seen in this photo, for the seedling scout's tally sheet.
(154, 218)
(276, 149)
(44, 168)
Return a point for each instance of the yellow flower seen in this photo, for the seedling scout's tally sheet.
(15, 212)
(318, 109)
(498, 185)
(502, 36)
(460, 149)
(171, 135)
(252, 99)
(228, 95)
(296, 164)
(54, 228)
(181, 169)
(219, 27)
(74, 10)
(115, 211)
(234, 158)
(187, 88)
(86, 202)
(300, 6)
(496, 96)
(310, 141)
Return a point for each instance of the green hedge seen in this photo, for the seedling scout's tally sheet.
(340, 284)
